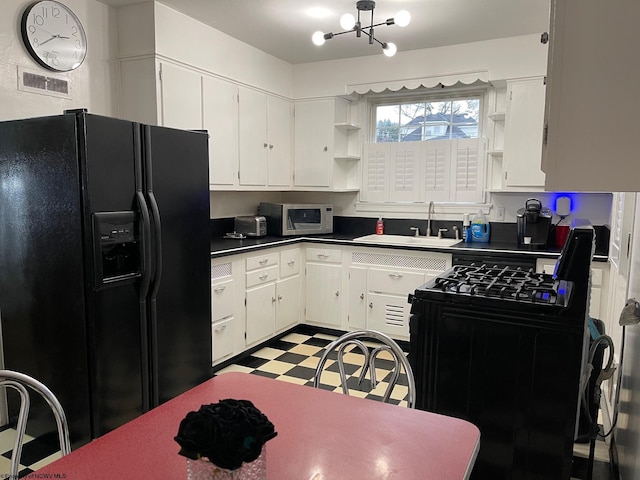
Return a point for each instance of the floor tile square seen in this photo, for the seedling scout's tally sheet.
(317, 342)
(293, 358)
(252, 362)
(349, 369)
(302, 372)
(268, 353)
(306, 350)
(287, 378)
(234, 368)
(296, 338)
(275, 366)
(282, 345)
(265, 374)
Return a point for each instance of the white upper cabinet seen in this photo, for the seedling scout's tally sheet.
(523, 133)
(313, 144)
(181, 94)
(220, 119)
(265, 140)
(592, 97)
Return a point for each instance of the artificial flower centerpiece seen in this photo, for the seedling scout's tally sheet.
(229, 434)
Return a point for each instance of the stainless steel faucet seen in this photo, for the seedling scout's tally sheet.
(429, 218)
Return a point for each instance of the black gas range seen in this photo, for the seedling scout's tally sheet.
(503, 347)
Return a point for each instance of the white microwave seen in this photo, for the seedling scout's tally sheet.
(297, 219)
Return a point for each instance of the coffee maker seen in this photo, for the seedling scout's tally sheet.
(534, 223)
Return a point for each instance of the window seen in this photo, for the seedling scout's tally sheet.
(444, 119)
(425, 146)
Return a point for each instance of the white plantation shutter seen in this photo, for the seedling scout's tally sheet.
(376, 172)
(437, 167)
(467, 182)
(405, 157)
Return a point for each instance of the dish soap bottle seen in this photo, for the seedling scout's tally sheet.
(480, 228)
(379, 226)
(466, 228)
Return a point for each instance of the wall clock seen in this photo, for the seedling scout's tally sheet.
(54, 36)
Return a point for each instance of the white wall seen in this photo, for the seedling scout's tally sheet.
(513, 57)
(92, 85)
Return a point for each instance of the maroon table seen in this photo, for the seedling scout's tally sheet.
(321, 436)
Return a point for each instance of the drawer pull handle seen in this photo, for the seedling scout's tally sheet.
(323, 255)
(396, 275)
(370, 304)
(337, 293)
(263, 277)
(273, 299)
(220, 329)
(362, 296)
(279, 297)
(219, 289)
(263, 261)
(291, 263)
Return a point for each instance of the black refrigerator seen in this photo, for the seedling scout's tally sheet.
(104, 265)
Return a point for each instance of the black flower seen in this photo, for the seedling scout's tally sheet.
(227, 433)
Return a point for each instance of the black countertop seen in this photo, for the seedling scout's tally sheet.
(221, 247)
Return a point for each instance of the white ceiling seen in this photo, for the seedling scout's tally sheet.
(283, 28)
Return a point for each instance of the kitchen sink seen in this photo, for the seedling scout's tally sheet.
(407, 240)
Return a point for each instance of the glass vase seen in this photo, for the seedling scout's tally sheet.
(203, 469)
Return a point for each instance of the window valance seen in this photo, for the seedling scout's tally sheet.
(465, 78)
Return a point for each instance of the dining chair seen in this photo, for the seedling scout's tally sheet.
(20, 382)
(387, 344)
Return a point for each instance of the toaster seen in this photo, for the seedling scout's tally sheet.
(251, 225)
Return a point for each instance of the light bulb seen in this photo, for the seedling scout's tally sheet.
(318, 38)
(390, 50)
(402, 18)
(347, 21)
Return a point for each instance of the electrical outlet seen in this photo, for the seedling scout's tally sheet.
(500, 214)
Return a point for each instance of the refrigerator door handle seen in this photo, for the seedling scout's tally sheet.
(145, 267)
(157, 277)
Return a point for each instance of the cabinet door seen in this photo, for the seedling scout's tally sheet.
(260, 312)
(592, 97)
(279, 130)
(220, 119)
(253, 146)
(389, 314)
(288, 302)
(313, 144)
(181, 94)
(523, 133)
(323, 294)
(358, 297)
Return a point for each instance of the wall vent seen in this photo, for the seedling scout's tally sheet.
(43, 84)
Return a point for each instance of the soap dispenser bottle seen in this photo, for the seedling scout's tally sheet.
(379, 226)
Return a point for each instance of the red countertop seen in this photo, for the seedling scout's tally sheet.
(321, 436)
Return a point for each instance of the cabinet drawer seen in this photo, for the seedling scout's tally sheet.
(222, 338)
(596, 277)
(394, 281)
(221, 299)
(289, 262)
(264, 275)
(324, 255)
(261, 261)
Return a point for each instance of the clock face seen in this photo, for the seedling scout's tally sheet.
(54, 36)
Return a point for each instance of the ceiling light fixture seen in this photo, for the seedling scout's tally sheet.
(349, 24)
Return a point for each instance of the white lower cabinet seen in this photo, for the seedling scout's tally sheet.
(223, 308)
(272, 297)
(323, 287)
(288, 290)
(260, 297)
(380, 282)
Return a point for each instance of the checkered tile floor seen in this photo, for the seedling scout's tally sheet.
(294, 358)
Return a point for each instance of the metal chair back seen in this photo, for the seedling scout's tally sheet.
(389, 345)
(20, 382)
